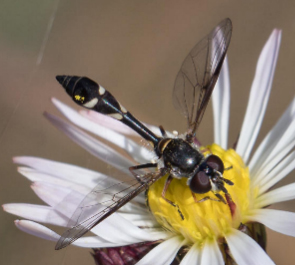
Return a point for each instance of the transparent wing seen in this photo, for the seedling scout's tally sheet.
(199, 72)
(102, 202)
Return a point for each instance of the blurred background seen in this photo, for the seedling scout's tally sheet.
(134, 49)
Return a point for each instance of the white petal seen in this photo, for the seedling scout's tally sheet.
(211, 254)
(192, 256)
(221, 105)
(285, 193)
(259, 95)
(35, 176)
(134, 208)
(45, 233)
(140, 153)
(140, 220)
(53, 195)
(104, 120)
(67, 172)
(37, 213)
(95, 242)
(36, 229)
(115, 228)
(278, 142)
(278, 173)
(245, 250)
(279, 221)
(114, 124)
(75, 177)
(164, 253)
(93, 146)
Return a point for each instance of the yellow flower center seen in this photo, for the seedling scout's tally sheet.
(208, 219)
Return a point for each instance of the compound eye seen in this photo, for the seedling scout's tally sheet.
(215, 162)
(200, 183)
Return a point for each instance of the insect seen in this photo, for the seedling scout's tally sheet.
(179, 157)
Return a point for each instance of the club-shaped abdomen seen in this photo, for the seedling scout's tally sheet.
(89, 94)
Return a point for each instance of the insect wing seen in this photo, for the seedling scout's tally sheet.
(199, 72)
(101, 203)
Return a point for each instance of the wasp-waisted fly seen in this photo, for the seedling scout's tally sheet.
(179, 157)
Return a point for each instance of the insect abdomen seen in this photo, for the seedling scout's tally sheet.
(89, 94)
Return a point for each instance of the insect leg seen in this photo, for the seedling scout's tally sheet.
(228, 168)
(167, 183)
(163, 132)
(221, 178)
(220, 198)
(134, 168)
(231, 204)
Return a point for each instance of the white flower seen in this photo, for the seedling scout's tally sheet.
(56, 182)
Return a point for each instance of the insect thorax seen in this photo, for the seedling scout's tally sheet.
(181, 157)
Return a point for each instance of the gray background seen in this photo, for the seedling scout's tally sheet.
(133, 48)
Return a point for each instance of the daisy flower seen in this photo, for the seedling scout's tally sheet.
(211, 232)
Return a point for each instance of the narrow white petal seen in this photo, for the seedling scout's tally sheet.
(277, 140)
(67, 172)
(285, 193)
(140, 220)
(134, 208)
(41, 231)
(53, 195)
(41, 213)
(70, 176)
(278, 162)
(35, 176)
(278, 173)
(114, 124)
(96, 242)
(104, 121)
(192, 256)
(164, 253)
(245, 250)
(211, 254)
(279, 221)
(114, 228)
(37, 213)
(36, 229)
(259, 95)
(138, 152)
(221, 106)
(93, 146)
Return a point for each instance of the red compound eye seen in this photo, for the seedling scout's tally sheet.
(200, 183)
(215, 162)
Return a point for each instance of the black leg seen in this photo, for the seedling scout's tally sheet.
(167, 183)
(220, 198)
(163, 132)
(148, 165)
(228, 168)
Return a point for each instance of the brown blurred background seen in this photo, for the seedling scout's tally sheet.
(133, 48)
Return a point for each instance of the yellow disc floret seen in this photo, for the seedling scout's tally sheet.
(208, 219)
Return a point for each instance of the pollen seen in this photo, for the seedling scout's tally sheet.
(209, 219)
